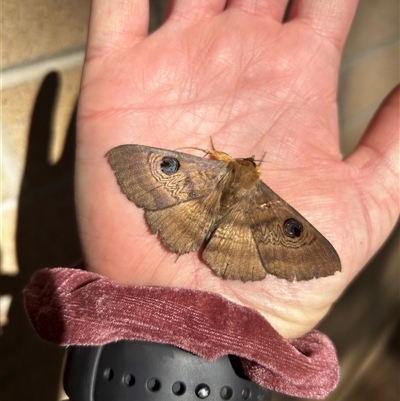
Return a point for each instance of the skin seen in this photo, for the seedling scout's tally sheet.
(232, 71)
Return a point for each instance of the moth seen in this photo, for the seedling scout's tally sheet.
(247, 230)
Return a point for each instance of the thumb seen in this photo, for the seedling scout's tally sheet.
(375, 168)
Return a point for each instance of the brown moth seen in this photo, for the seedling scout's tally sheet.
(247, 229)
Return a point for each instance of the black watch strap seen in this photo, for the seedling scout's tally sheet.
(144, 371)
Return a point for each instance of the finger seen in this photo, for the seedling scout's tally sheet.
(376, 158)
(381, 135)
(116, 23)
(329, 18)
(272, 8)
(194, 10)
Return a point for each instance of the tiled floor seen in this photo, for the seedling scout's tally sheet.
(42, 54)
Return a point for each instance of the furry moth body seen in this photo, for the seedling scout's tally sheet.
(248, 230)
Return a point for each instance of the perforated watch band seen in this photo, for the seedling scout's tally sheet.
(144, 371)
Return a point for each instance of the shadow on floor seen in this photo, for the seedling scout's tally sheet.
(46, 237)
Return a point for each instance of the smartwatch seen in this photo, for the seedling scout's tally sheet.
(145, 371)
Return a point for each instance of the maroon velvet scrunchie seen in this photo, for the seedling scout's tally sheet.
(75, 307)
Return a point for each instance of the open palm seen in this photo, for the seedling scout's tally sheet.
(234, 73)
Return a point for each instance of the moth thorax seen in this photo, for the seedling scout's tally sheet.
(243, 175)
(247, 167)
(250, 164)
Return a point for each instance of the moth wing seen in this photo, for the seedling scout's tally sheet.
(184, 227)
(231, 251)
(301, 257)
(140, 177)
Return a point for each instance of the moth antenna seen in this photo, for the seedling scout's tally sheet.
(262, 160)
(212, 144)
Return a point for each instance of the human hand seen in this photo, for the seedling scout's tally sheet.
(232, 71)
